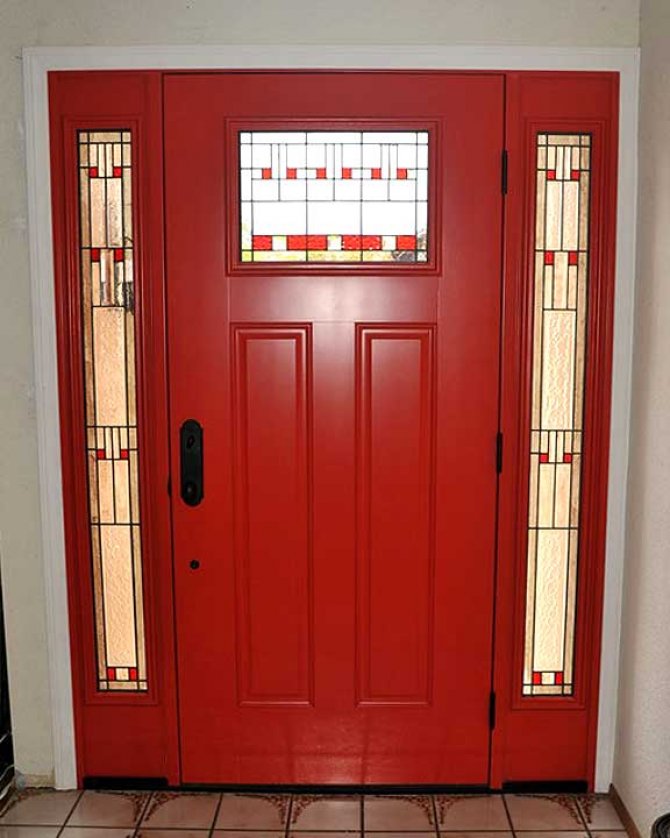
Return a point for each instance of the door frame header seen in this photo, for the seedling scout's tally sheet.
(39, 61)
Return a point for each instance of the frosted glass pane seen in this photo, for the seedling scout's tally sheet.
(560, 273)
(108, 317)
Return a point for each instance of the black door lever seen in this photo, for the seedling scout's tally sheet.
(190, 439)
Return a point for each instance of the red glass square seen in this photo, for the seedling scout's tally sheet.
(405, 242)
(296, 242)
(118, 254)
(111, 673)
(317, 242)
(262, 242)
(371, 243)
(93, 171)
(572, 257)
(574, 174)
(567, 458)
(351, 242)
(376, 174)
(291, 174)
(267, 174)
(123, 454)
(95, 254)
(132, 673)
(346, 174)
(537, 678)
(558, 677)
(116, 171)
(402, 174)
(321, 174)
(544, 458)
(549, 258)
(100, 454)
(551, 174)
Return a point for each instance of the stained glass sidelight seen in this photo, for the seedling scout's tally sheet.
(558, 357)
(334, 196)
(108, 316)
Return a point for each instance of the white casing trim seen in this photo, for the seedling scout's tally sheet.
(38, 61)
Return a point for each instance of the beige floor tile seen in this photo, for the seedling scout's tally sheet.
(36, 807)
(312, 812)
(97, 832)
(258, 811)
(599, 813)
(406, 813)
(549, 833)
(545, 811)
(98, 808)
(614, 833)
(180, 810)
(470, 813)
(29, 831)
(170, 833)
(486, 834)
(249, 834)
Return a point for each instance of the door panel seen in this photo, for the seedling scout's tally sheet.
(273, 512)
(338, 628)
(395, 390)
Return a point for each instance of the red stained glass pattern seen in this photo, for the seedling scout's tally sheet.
(333, 196)
(560, 292)
(108, 318)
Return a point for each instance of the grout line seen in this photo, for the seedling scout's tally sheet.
(582, 816)
(216, 815)
(143, 811)
(288, 815)
(437, 826)
(69, 814)
(509, 817)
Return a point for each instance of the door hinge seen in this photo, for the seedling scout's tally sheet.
(169, 487)
(492, 711)
(499, 452)
(503, 177)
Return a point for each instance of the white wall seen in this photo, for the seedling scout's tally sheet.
(642, 763)
(82, 22)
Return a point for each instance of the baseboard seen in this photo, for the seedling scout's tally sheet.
(623, 813)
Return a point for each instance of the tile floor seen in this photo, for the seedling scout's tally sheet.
(94, 814)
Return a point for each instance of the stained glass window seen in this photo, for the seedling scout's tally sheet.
(558, 357)
(108, 316)
(334, 196)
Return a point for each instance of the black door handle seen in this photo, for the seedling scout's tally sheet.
(190, 444)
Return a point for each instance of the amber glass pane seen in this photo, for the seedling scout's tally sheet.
(334, 196)
(108, 316)
(558, 351)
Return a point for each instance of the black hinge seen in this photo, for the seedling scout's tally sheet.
(504, 172)
(492, 711)
(499, 452)
(169, 487)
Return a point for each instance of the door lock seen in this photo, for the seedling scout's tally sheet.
(190, 444)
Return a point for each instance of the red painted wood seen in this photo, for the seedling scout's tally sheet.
(116, 734)
(339, 628)
(547, 738)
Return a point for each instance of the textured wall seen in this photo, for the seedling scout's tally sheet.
(642, 762)
(85, 22)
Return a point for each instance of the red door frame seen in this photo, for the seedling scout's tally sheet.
(136, 736)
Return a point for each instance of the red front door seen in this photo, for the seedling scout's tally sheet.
(334, 586)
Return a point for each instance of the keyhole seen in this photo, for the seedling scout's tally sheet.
(194, 564)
